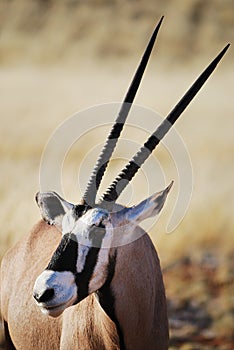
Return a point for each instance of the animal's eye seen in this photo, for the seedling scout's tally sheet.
(101, 225)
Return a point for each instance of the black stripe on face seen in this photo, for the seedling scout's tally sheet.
(65, 256)
(83, 278)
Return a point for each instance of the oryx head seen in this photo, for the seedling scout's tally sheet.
(91, 229)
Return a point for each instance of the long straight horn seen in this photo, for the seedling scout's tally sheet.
(105, 155)
(133, 166)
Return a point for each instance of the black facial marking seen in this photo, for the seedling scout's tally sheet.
(80, 210)
(83, 278)
(65, 256)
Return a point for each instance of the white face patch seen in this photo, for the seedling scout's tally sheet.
(82, 253)
(64, 287)
(99, 275)
(92, 228)
(91, 220)
(82, 227)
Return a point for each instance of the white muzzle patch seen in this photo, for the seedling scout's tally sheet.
(64, 291)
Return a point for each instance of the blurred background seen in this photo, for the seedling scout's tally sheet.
(59, 57)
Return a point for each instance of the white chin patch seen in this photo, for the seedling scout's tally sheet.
(65, 291)
(57, 310)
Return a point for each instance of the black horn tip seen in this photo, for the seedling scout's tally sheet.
(225, 49)
(161, 19)
(222, 53)
(169, 186)
(227, 46)
(158, 26)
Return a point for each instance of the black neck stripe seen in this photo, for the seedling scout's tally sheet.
(106, 299)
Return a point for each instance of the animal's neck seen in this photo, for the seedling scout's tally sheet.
(94, 328)
(135, 298)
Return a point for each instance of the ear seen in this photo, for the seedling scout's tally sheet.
(52, 207)
(148, 208)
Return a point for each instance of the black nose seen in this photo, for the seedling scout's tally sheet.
(45, 296)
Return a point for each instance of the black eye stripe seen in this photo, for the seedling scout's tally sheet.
(66, 255)
(80, 210)
(101, 225)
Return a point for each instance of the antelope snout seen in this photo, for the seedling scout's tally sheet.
(55, 291)
(44, 296)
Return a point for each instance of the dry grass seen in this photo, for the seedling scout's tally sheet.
(40, 86)
(49, 31)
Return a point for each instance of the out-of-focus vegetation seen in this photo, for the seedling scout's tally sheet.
(58, 57)
(47, 31)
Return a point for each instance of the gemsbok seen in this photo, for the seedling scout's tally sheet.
(90, 265)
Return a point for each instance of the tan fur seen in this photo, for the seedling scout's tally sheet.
(137, 286)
